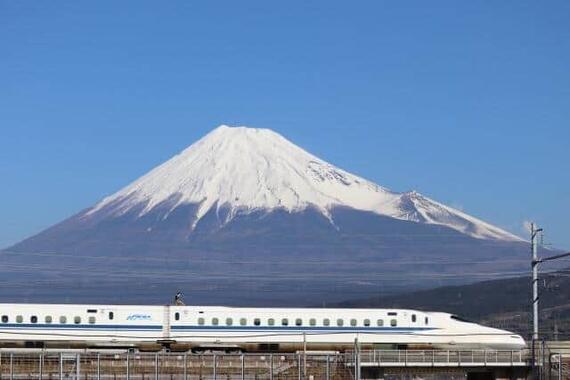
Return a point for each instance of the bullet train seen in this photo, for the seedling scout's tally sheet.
(233, 329)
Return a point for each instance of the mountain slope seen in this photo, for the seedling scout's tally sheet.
(244, 215)
(245, 170)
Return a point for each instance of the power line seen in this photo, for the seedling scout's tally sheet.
(281, 260)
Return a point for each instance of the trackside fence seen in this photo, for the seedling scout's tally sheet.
(559, 367)
(18, 365)
(472, 358)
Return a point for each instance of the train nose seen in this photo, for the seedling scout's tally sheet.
(513, 342)
(505, 340)
(519, 342)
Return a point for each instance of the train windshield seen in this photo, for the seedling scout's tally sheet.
(460, 319)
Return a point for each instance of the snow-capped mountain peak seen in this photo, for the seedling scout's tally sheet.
(248, 169)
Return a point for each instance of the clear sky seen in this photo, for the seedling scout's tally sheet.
(467, 102)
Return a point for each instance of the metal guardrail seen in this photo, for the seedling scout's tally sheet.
(170, 366)
(52, 365)
(434, 358)
(559, 367)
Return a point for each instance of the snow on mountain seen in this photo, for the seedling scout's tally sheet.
(246, 170)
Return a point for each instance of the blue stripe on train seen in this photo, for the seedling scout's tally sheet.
(78, 326)
(41, 326)
(301, 328)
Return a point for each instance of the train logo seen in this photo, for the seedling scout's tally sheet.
(139, 317)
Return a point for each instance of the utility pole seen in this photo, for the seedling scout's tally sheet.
(304, 356)
(356, 359)
(534, 247)
(534, 265)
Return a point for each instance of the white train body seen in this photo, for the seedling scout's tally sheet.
(250, 329)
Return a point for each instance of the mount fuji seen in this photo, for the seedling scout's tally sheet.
(245, 216)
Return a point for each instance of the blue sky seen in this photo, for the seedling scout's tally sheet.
(467, 102)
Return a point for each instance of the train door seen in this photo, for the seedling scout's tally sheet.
(108, 316)
(166, 323)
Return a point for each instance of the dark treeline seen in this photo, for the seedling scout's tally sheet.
(501, 303)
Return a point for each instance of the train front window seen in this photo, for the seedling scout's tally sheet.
(460, 319)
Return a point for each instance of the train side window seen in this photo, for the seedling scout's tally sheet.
(243, 322)
(229, 321)
(215, 321)
(19, 319)
(34, 319)
(111, 315)
(201, 321)
(326, 322)
(427, 320)
(48, 319)
(298, 322)
(63, 319)
(257, 321)
(271, 322)
(393, 322)
(339, 322)
(380, 323)
(5, 319)
(353, 322)
(91, 320)
(413, 318)
(312, 322)
(177, 316)
(284, 322)
(77, 320)
(367, 323)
